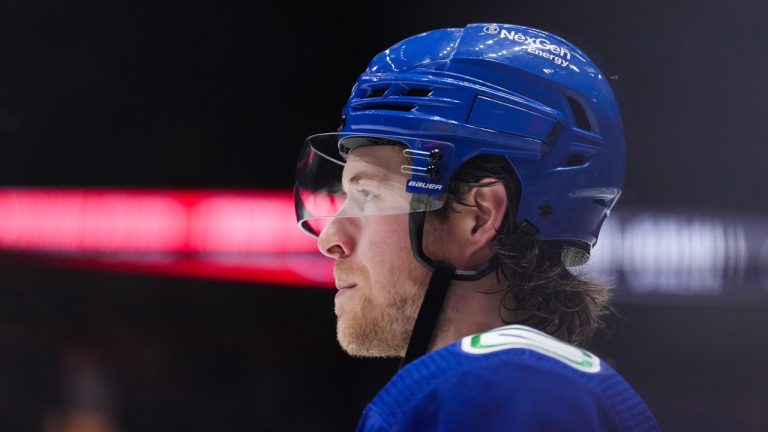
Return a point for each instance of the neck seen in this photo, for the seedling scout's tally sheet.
(469, 308)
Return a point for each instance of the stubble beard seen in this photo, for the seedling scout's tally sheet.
(382, 329)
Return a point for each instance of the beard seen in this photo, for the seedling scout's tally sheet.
(382, 327)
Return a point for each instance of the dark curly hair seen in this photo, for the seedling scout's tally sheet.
(539, 290)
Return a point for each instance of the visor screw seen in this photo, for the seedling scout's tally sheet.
(545, 210)
(435, 155)
(432, 172)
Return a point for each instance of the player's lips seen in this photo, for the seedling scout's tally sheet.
(343, 288)
(342, 285)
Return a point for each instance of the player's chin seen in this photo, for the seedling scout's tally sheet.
(363, 344)
(347, 339)
(361, 352)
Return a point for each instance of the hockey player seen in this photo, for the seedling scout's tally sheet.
(472, 167)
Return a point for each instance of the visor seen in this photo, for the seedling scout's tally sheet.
(358, 175)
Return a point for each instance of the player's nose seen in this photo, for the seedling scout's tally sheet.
(336, 240)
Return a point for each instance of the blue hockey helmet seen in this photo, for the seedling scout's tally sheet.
(446, 96)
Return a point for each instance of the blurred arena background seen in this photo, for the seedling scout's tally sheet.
(152, 277)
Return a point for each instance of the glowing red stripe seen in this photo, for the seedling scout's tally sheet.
(149, 221)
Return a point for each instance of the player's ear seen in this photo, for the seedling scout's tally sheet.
(482, 217)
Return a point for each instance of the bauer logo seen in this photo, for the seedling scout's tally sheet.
(425, 185)
(539, 46)
(491, 29)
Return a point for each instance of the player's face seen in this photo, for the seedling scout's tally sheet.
(380, 284)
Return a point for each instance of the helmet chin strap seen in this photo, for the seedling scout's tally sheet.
(434, 297)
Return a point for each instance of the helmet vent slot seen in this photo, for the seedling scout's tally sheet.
(417, 92)
(582, 121)
(377, 92)
(576, 159)
(389, 108)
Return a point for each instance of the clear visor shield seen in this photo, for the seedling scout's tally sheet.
(351, 175)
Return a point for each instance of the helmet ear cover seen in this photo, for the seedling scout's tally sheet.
(471, 173)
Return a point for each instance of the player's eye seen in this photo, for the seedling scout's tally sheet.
(366, 195)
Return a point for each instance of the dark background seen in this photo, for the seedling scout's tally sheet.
(207, 94)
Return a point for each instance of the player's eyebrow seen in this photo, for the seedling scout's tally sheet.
(364, 175)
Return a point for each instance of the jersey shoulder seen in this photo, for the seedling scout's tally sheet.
(510, 378)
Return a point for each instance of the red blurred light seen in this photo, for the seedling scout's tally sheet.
(149, 221)
(249, 236)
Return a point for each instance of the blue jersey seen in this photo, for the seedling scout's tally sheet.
(513, 378)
